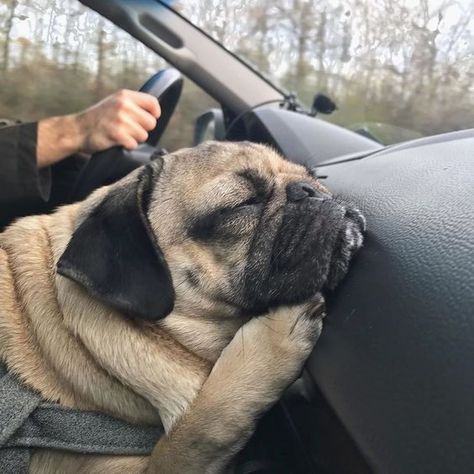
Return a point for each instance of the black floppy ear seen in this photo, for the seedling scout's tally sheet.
(114, 254)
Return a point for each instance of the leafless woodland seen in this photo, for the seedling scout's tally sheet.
(400, 62)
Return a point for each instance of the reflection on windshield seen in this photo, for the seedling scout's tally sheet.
(403, 63)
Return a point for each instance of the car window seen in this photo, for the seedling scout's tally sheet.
(58, 57)
(395, 68)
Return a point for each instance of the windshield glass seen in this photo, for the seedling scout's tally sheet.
(395, 69)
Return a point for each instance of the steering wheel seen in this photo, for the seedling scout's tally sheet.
(106, 167)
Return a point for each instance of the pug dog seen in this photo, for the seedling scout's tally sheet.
(186, 294)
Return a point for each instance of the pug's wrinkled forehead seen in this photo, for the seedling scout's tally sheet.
(213, 159)
(222, 174)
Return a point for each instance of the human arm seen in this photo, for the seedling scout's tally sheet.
(124, 118)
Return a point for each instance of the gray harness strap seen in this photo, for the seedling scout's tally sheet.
(27, 422)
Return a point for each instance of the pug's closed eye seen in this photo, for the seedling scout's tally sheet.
(220, 221)
(254, 190)
(252, 201)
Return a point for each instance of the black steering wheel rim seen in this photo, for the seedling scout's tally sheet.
(166, 85)
(108, 166)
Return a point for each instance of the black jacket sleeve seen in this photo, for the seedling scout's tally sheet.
(22, 185)
(20, 178)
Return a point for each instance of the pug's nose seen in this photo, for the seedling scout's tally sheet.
(302, 190)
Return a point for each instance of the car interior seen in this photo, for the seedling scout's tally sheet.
(389, 387)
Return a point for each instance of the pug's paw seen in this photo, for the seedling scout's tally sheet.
(294, 330)
(268, 352)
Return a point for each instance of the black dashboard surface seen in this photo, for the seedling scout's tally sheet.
(396, 358)
(305, 139)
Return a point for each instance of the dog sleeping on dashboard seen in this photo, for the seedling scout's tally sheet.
(187, 294)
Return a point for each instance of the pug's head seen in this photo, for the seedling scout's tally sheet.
(221, 229)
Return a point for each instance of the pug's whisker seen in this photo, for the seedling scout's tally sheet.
(181, 282)
(293, 326)
(283, 249)
(274, 258)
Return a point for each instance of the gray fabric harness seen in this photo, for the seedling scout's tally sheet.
(28, 422)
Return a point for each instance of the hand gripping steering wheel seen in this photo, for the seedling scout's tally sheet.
(106, 167)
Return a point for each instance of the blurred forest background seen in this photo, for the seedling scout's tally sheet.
(401, 62)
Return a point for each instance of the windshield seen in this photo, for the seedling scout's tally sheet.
(395, 69)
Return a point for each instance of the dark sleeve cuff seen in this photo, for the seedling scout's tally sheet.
(20, 178)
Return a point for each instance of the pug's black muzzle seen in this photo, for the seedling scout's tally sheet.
(314, 241)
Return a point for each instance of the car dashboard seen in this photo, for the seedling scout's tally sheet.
(389, 387)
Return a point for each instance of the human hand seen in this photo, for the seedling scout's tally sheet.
(123, 118)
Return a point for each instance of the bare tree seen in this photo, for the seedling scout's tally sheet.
(12, 6)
